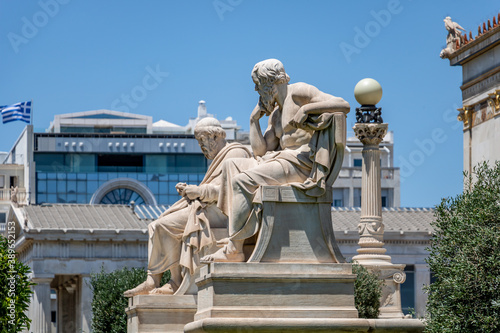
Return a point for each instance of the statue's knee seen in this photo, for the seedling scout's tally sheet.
(241, 180)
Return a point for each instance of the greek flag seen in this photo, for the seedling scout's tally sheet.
(19, 111)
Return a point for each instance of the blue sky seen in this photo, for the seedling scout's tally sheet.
(73, 55)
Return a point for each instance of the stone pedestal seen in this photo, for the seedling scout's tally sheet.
(274, 291)
(279, 297)
(160, 313)
(371, 253)
(280, 325)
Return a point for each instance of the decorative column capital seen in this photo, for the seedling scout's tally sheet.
(370, 133)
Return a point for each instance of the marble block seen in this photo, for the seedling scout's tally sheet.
(160, 313)
(276, 290)
(295, 228)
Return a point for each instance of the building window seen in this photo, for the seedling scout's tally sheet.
(337, 203)
(13, 181)
(3, 217)
(338, 196)
(357, 197)
(358, 162)
(386, 194)
(408, 290)
(2, 181)
(119, 163)
(122, 196)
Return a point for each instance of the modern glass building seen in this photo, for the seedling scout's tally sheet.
(75, 177)
(108, 157)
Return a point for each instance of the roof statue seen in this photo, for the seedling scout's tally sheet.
(454, 38)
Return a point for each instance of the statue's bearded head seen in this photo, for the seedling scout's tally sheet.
(267, 75)
(211, 137)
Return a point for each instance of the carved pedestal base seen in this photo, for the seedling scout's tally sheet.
(393, 276)
(160, 313)
(280, 325)
(274, 291)
(262, 297)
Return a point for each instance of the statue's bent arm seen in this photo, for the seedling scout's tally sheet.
(263, 143)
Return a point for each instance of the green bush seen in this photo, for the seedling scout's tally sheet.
(465, 258)
(108, 302)
(15, 290)
(367, 292)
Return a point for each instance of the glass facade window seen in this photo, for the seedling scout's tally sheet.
(61, 162)
(104, 129)
(122, 196)
(120, 163)
(358, 162)
(63, 188)
(75, 177)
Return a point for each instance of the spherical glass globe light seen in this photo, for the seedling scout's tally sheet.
(368, 92)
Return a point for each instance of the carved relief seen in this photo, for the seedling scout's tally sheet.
(370, 134)
(494, 103)
(465, 115)
(399, 277)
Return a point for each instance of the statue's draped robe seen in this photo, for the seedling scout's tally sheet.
(183, 231)
(310, 170)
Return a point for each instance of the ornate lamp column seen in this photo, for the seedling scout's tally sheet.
(370, 130)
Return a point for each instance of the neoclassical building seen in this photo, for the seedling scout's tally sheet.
(479, 58)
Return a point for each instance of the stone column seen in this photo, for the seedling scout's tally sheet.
(86, 303)
(40, 305)
(422, 278)
(371, 253)
(66, 310)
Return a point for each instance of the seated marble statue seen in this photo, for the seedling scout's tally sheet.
(297, 149)
(183, 231)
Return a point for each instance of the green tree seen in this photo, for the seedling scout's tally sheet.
(108, 302)
(367, 292)
(465, 258)
(15, 289)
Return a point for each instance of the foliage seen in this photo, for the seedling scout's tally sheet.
(108, 302)
(15, 290)
(465, 258)
(367, 292)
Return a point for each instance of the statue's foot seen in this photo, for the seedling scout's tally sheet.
(166, 289)
(142, 289)
(222, 242)
(224, 255)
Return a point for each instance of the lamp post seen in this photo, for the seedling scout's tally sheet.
(370, 130)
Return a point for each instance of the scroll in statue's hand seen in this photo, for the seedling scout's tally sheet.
(180, 188)
(191, 192)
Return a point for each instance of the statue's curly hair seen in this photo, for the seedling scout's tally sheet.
(270, 71)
